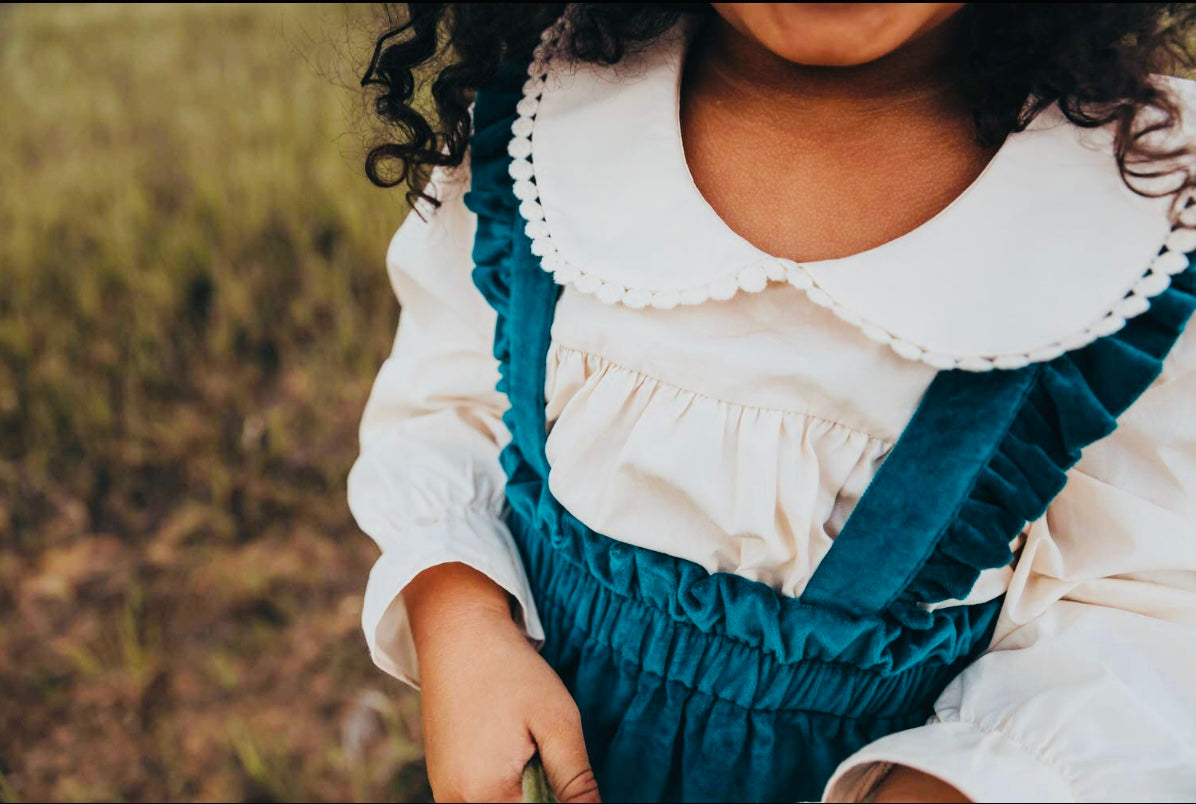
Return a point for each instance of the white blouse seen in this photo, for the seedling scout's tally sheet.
(713, 402)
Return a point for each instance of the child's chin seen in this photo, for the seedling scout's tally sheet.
(835, 34)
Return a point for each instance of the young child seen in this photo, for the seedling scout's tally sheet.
(790, 401)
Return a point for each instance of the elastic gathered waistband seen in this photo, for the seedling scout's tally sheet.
(607, 610)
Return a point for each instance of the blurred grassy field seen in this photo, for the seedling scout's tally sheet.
(193, 302)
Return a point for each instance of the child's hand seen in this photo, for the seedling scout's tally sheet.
(489, 701)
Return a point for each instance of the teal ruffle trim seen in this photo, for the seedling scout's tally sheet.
(1074, 401)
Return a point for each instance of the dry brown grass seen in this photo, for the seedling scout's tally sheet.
(192, 305)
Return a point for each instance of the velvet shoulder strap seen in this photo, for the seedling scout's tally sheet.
(509, 276)
(984, 454)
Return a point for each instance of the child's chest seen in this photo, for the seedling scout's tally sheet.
(811, 190)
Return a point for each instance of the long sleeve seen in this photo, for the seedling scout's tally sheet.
(1087, 692)
(427, 486)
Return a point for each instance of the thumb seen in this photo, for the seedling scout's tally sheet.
(566, 762)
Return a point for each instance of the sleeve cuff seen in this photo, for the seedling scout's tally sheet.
(983, 765)
(478, 539)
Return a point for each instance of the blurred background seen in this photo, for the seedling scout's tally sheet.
(193, 302)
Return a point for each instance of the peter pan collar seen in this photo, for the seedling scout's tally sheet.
(1045, 252)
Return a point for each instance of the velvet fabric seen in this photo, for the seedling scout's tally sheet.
(712, 687)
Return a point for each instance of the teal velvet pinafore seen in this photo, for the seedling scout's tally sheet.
(711, 687)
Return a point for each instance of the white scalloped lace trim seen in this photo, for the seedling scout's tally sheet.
(1171, 260)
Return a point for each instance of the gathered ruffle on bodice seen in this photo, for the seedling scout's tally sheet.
(757, 491)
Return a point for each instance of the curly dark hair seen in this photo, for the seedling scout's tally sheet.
(1095, 60)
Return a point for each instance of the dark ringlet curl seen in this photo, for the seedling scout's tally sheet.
(1095, 60)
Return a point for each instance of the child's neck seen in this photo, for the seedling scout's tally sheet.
(815, 163)
(912, 82)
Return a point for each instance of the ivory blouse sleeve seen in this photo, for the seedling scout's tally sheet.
(1087, 692)
(427, 486)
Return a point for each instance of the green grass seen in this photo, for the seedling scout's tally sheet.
(193, 303)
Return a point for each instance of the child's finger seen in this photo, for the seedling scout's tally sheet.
(566, 762)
